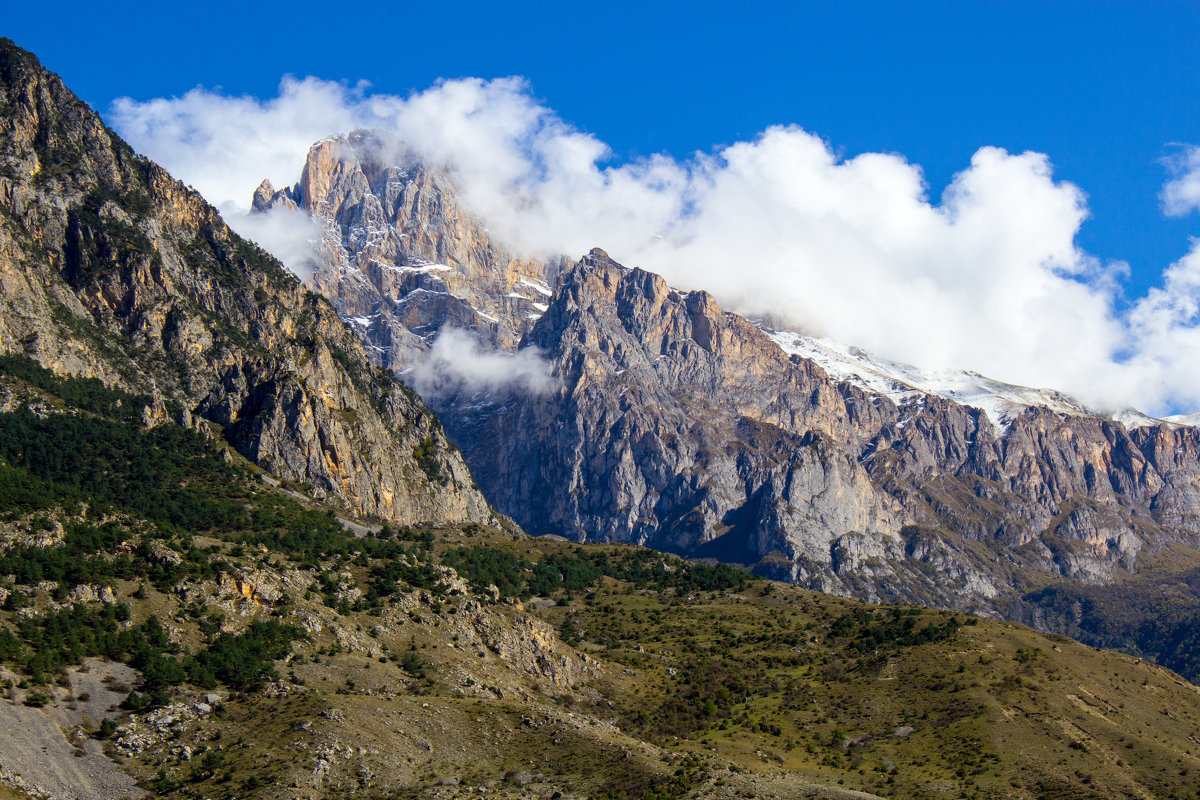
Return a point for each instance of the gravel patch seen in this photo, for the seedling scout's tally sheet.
(43, 751)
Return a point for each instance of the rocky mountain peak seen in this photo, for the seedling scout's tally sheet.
(401, 258)
(266, 197)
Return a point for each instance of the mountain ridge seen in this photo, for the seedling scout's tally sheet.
(681, 426)
(113, 269)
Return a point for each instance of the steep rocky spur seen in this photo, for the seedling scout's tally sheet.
(110, 268)
(399, 256)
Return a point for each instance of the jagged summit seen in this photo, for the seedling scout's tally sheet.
(400, 257)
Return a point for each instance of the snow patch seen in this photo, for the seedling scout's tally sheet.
(416, 293)
(537, 286)
(903, 383)
(417, 267)
(1133, 419)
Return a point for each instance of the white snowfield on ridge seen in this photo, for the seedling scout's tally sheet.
(902, 383)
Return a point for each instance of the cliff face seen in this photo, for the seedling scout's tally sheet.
(686, 428)
(667, 411)
(111, 268)
(400, 258)
(677, 425)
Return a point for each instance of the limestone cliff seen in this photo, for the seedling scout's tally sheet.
(686, 428)
(111, 268)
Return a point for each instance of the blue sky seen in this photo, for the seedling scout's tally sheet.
(1103, 88)
(1106, 91)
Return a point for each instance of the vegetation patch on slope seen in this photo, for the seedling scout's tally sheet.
(432, 662)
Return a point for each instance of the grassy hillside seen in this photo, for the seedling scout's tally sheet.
(1154, 613)
(280, 653)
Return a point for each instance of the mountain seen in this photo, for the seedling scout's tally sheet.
(681, 426)
(175, 621)
(110, 268)
(689, 429)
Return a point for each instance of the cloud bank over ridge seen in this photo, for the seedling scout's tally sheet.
(987, 277)
(459, 363)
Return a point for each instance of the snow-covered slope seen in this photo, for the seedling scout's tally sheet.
(1002, 402)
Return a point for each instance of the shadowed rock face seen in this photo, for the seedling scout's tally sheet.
(685, 428)
(111, 268)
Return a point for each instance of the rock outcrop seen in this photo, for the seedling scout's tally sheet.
(110, 268)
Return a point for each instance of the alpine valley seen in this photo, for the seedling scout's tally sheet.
(659, 551)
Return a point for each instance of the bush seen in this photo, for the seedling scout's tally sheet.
(106, 730)
(245, 661)
(36, 699)
(413, 664)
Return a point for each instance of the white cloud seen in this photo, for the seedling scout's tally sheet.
(988, 277)
(289, 234)
(457, 362)
(1166, 326)
(224, 146)
(1181, 194)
